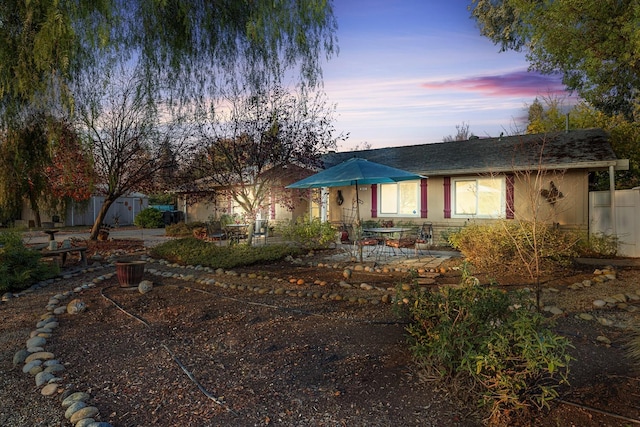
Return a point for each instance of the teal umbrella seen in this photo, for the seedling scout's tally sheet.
(355, 171)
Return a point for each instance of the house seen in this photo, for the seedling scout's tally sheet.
(482, 179)
(546, 175)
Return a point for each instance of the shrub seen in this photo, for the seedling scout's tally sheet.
(149, 218)
(509, 244)
(20, 266)
(597, 245)
(499, 349)
(311, 234)
(197, 252)
(183, 230)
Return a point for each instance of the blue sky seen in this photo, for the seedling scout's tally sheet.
(409, 71)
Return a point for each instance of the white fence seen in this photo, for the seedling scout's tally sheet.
(627, 218)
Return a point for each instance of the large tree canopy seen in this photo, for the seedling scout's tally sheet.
(595, 45)
(44, 44)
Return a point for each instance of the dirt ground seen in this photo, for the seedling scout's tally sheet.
(197, 354)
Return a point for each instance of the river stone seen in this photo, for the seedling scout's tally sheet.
(603, 339)
(346, 273)
(366, 286)
(599, 303)
(85, 422)
(27, 367)
(78, 396)
(86, 412)
(73, 408)
(585, 316)
(54, 368)
(42, 355)
(35, 370)
(555, 310)
(145, 286)
(604, 321)
(35, 349)
(43, 378)
(49, 389)
(76, 306)
(100, 424)
(59, 310)
(20, 357)
(36, 342)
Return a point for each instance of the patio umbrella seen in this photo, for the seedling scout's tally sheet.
(355, 171)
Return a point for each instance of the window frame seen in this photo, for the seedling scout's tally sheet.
(502, 202)
(380, 201)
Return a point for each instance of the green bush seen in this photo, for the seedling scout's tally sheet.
(499, 349)
(597, 245)
(506, 245)
(183, 230)
(20, 266)
(310, 234)
(149, 218)
(198, 252)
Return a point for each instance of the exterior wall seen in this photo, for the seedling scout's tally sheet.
(571, 211)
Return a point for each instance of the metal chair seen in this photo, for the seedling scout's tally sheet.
(261, 229)
(425, 237)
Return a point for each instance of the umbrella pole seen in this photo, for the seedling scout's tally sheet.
(358, 222)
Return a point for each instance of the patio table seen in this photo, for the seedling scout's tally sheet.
(235, 232)
(385, 233)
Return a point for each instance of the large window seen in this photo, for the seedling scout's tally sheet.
(401, 199)
(479, 197)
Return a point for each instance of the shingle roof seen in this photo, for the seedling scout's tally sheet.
(577, 149)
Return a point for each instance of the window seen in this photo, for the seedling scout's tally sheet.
(479, 197)
(401, 199)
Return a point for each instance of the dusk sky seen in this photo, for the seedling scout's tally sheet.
(409, 71)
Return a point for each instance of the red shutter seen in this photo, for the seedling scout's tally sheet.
(447, 196)
(510, 208)
(374, 200)
(423, 198)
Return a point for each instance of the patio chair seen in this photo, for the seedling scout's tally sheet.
(405, 240)
(425, 238)
(215, 231)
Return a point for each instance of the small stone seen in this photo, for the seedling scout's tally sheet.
(59, 310)
(49, 389)
(87, 412)
(43, 378)
(85, 422)
(585, 316)
(603, 339)
(42, 355)
(620, 297)
(78, 396)
(145, 286)
(555, 310)
(604, 321)
(366, 286)
(73, 408)
(27, 367)
(599, 303)
(35, 370)
(36, 342)
(346, 273)
(54, 368)
(20, 357)
(76, 306)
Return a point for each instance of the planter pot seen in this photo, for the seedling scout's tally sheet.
(130, 273)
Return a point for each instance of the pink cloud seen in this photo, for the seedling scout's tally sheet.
(517, 83)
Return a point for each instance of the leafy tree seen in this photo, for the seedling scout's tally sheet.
(24, 154)
(254, 143)
(126, 135)
(593, 44)
(47, 44)
(548, 116)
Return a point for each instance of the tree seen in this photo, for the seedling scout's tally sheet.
(127, 134)
(593, 44)
(256, 142)
(47, 44)
(462, 134)
(549, 116)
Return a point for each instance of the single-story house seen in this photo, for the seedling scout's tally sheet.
(546, 175)
(482, 179)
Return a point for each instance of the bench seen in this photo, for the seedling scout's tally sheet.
(62, 253)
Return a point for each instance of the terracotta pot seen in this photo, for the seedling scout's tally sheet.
(130, 273)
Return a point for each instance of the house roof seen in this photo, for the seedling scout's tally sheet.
(578, 149)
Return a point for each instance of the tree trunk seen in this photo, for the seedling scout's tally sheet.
(100, 218)
(36, 210)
